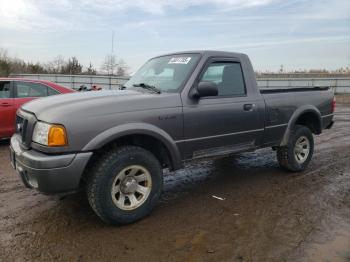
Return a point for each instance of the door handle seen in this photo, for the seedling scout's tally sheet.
(5, 104)
(248, 107)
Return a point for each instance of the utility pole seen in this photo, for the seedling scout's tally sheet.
(112, 51)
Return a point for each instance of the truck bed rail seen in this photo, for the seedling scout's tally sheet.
(292, 89)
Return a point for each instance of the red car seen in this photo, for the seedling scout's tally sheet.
(14, 92)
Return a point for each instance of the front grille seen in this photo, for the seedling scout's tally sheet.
(21, 127)
(25, 122)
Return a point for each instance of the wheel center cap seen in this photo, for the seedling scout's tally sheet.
(128, 185)
(299, 149)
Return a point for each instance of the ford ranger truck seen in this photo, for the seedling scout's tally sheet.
(176, 108)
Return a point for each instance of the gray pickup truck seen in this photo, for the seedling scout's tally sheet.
(175, 108)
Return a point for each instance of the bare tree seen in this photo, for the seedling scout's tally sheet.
(72, 67)
(5, 63)
(55, 66)
(281, 69)
(122, 69)
(90, 70)
(110, 64)
(58, 63)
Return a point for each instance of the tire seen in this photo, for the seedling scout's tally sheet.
(291, 157)
(112, 180)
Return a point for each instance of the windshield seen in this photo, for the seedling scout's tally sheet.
(165, 73)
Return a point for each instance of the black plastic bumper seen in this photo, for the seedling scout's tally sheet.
(329, 126)
(48, 173)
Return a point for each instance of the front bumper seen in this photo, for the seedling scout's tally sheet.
(48, 173)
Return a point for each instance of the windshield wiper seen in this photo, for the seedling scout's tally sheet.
(148, 87)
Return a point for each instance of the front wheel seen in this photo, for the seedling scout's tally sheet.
(125, 185)
(297, 154)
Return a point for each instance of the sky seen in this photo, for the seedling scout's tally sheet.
(299, 34)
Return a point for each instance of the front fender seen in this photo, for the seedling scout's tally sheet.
(297, 113)
(114, 133)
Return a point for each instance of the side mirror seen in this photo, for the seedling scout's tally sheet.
(205, 88)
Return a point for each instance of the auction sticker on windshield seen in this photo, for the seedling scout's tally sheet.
(179, 60)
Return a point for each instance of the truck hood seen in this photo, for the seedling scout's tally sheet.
(99, 103)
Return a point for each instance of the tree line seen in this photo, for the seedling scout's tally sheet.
(59, 65)
(114, 66)
(282, 72)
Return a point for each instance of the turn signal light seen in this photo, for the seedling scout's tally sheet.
(57, 136)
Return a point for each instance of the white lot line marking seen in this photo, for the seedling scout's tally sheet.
(220, 198)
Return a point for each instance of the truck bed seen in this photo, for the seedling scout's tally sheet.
(284, 104)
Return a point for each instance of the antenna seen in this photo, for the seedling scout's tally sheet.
(112, 51)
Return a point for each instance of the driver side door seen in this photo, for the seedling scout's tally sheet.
(226, 123)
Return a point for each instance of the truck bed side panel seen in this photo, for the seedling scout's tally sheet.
(280, 108)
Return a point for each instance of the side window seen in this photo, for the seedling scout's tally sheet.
(26, 89)
(5, 90)
(52, 92)
(228, 76)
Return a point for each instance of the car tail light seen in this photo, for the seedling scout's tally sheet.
(333, 104)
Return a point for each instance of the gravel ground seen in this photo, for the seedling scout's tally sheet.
(266, 214)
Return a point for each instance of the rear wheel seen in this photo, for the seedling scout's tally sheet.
(297, 154)
(125, 185)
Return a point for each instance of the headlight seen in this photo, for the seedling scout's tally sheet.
(49, 135)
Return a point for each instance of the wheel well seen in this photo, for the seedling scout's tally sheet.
(147, 142)
(311, 120)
